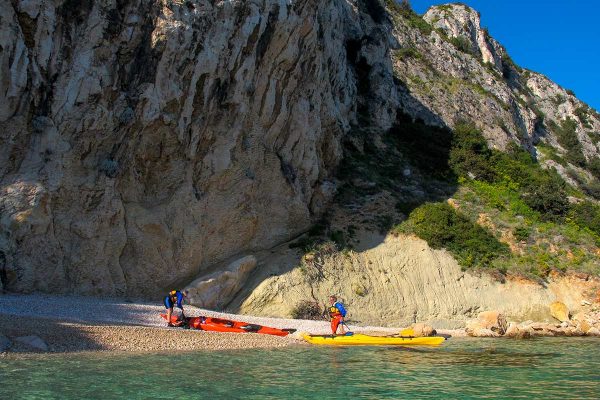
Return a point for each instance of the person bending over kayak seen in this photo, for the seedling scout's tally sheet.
(337, 312)
(174, 298)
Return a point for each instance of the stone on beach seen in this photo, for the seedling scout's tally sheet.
(584, 326)
(559, 311)
(33, 341)
(5, 343)
(487, 324)
(517, 331)
(593, 332)
(217, 289)
(421, 330)
(580, 316)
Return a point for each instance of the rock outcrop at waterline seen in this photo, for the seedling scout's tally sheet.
(497, 326)
(145, 140)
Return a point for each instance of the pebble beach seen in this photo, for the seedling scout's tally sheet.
(73, 324)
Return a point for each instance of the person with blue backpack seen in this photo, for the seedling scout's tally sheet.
(174, 299)
(337, 312)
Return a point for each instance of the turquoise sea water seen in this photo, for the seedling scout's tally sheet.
(549, 368)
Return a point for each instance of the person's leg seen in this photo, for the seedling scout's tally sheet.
(341, 325)
(335, 321)
(169, 313)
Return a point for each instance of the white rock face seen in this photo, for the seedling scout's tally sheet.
(217, 289)
(458, 20)
(143, 141)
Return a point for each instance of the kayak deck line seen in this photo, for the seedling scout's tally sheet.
(367, 340)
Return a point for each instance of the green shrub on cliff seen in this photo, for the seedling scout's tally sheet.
(462, 44)
(582, 115)
(542, 190)
(566, 134)
(469, 153)
(594, 167)
(443, 227)
(587, 215)
(405, 11)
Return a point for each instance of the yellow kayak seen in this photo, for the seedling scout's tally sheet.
(359, 339)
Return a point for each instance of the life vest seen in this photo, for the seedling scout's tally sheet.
(334, 312)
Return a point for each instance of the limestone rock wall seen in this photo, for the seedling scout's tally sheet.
(401, 281)
(142, 141)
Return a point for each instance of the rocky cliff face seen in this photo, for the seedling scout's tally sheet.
(455, 70)
(144, 141)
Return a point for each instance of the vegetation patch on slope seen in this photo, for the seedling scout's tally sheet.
(443, 227)
(519, 203)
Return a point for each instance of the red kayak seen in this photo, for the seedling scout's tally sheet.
(226, 325)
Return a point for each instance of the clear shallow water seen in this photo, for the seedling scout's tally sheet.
(462, 368)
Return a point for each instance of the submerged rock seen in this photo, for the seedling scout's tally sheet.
(482, 332)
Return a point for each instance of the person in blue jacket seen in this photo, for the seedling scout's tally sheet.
(174, 299)
(337, 312)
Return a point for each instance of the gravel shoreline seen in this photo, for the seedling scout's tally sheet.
(76, 337)
(73, 323)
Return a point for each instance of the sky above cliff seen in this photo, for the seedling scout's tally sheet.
(560, 39)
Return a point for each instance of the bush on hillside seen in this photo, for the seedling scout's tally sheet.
(522, 233)
(594, 167)
(405, 11)
(514, 165)
(583, 117)
(546, 193)
(442, 227)
(462, 44)
(470, 155)
(587, 215)
(592, 189)
(542, 190)
(307, 309)
(566, 133)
